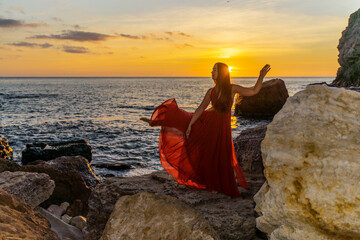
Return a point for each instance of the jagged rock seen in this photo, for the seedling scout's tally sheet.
(156, 216)
(56, 210)
(19, 221)
(51, 150)
(77, 163)
(31, 188)
(63, 230)
(248, 152)
(65, 205)
(230, 218)
(79, 222)
(66, 218)
(311, 157)
(7, 165)
(266, 103)
(349, 54)
(5, 150)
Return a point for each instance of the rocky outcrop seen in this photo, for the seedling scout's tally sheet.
(69, 184)
(5, 150)
(51, 150)
(156, 216)
(31, 188)
(20, 221)
(230, 218)
(76, 163)
(311, 157)
(349, 54)
(266, 103)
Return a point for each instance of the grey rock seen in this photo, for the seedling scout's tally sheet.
(66, 218)
(62, 229)
(349, 54)
(231, 218)
(65, 205)
(79, 222)
(50, 150)
(32, 188)
(56, 210)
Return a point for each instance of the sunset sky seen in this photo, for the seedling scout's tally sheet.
(170, 37)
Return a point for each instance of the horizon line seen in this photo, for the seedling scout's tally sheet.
(156, 77)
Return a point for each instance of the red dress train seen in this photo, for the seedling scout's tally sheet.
(205, 160)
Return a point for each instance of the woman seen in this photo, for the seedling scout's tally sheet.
(197, 148)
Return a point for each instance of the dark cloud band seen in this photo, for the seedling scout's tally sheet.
(30, 45)
(12, 23)
(79, 36)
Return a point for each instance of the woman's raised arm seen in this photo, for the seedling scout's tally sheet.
(244, 91)
(205, 102)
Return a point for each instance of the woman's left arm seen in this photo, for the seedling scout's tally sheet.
(205, 102)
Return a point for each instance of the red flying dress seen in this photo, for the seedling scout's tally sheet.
(205, 160)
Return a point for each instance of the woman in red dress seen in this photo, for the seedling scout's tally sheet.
(197, 148)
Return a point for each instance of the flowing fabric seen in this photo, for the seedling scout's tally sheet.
(205, 160)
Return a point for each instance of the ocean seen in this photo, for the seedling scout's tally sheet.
(106, 112)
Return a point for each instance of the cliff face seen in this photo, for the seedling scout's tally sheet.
(311, 158)
(349, 54)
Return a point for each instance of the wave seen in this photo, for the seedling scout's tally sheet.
(21, 96)
(148, 108)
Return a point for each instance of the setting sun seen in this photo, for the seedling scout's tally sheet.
(230, 68)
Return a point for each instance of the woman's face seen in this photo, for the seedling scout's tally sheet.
(214, 73)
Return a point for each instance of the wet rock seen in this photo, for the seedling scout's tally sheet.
(31, 188)
(19, 221)
(266, 103)
(79, 222)
(230, 218)
(51, 150)
(349, 54)
(62, 229)
(166, 218)
(5, 150)
(311, 157)
(116, 167)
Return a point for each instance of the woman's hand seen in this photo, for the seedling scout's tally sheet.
(188, 130)
(264, 70)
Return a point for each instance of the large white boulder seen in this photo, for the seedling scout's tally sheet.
(311, 156)
(155, 216)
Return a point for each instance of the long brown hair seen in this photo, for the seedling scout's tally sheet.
(223, 84)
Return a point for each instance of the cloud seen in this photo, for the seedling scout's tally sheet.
(188, 45)
(30, 45)
(181, 34)
(74, 49)
(79, 36)
(136, 37)
(12, 23)
(57, 19)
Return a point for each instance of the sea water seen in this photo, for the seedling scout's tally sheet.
(106, 112)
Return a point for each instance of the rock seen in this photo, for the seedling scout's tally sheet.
(248, 152)
(155, 216)
(266, 103)
(31, 188)
(56, 210)
(66, 218)
(230, 218)
(64, 205)
(311, 157)
(77, 163)
(63, 230)
(349, 54)
(51, 150)
(117, 167)
(76, 208)
(69, 185)
(5, 150)
(19, 221)
(79, 222)
(7, 165)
